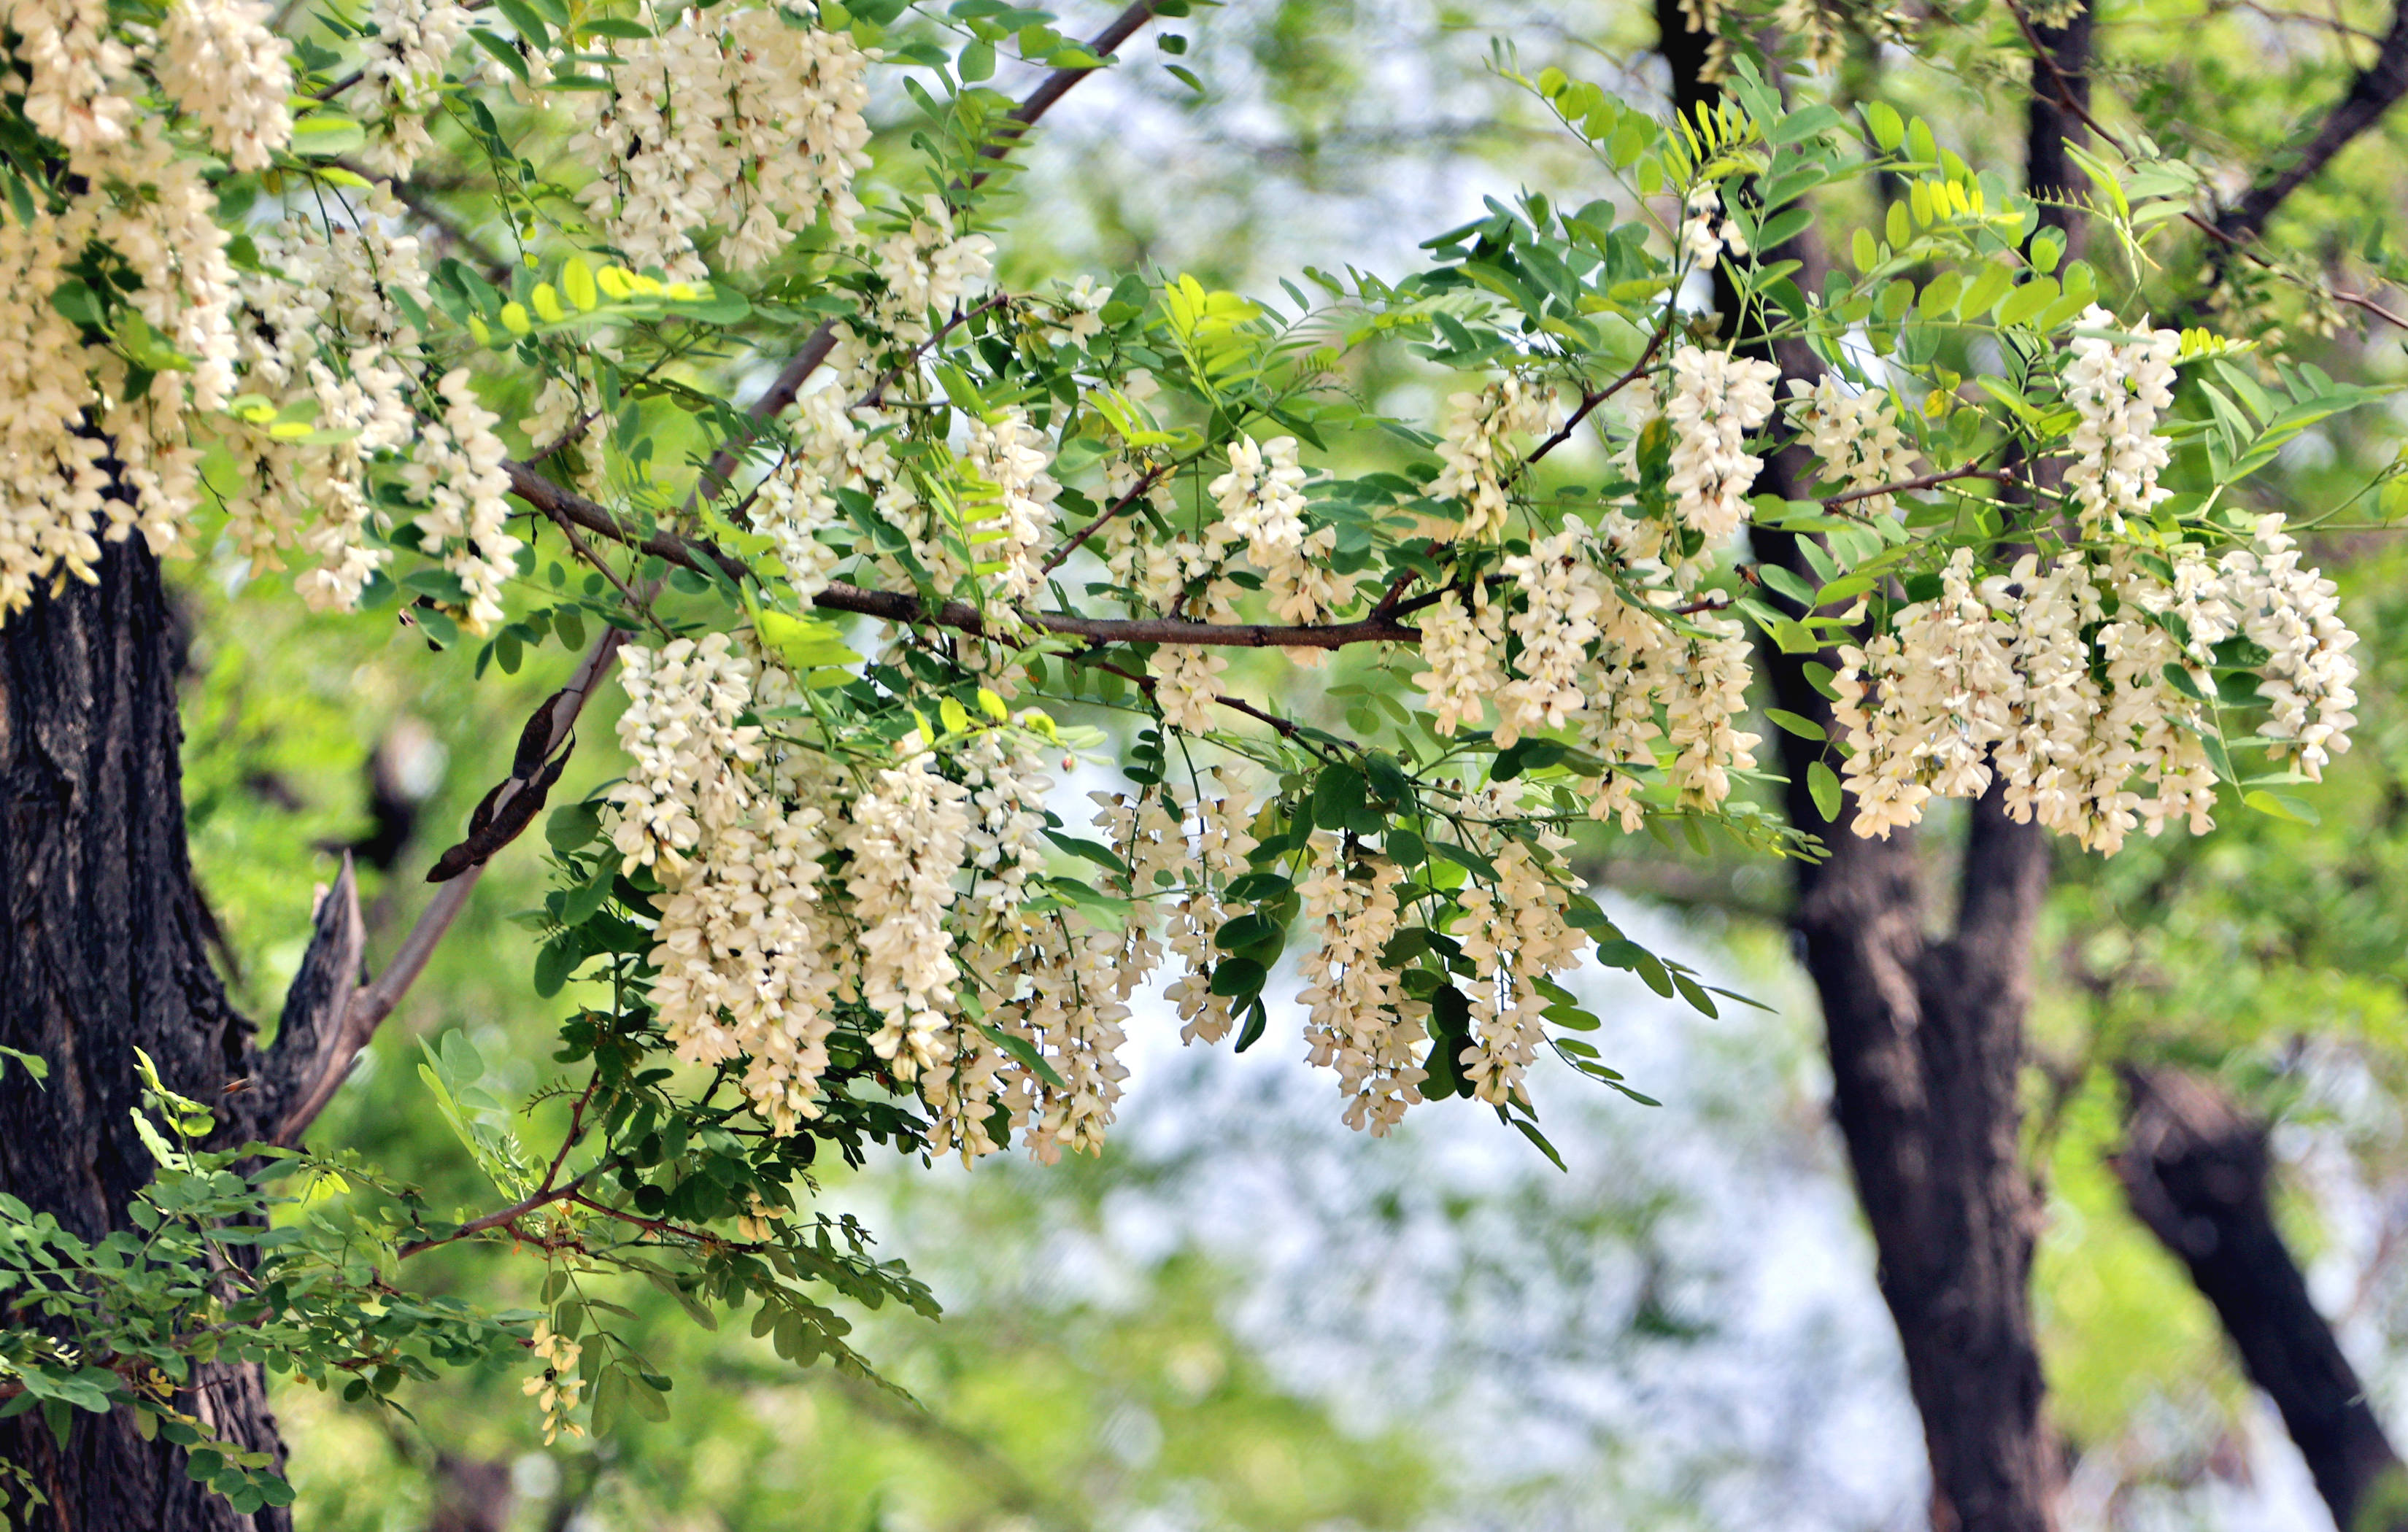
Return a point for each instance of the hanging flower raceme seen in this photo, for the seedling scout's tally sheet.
(731, 117)
(2120, 390)
(1854, 440)
(1716, 399)
(1478, 451)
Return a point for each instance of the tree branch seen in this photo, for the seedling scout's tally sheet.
(2375, 91)
(324, 1074)
(907, 608)
(1057, 84)
(2194, 1171)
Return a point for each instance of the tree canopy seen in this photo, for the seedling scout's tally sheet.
(1781, 463)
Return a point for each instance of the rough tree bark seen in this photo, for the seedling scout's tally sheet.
(106, 953)
(1926, 1040)
(2195, 1169)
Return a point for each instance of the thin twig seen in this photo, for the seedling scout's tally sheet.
(1113, 512)
(510, 1214)
(1924, 482)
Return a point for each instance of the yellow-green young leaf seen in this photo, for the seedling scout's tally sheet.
(1797, 723)
(576, 282)
(1887, 130)
(1988, 289)
(2281, 806)
(1864, 250)
(514, 319)
(2028, 300)
(545, 299)
(1896, 226)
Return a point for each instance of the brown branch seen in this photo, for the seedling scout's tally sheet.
(2075, 100)
(2375, 91)
(1057, 85)
(1923, 481)
(373, 1002)
(565, 1192)
(1113, 512)
(2195, 1170)
(908, 608)
(1595, 397)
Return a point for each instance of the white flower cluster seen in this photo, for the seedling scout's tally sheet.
(1707, 231)
(411, 45)
(1716, 399)
(1478, 455)
(1215, 842)
(732, 116)
(1513, 934)
(1013, 525)
(1854, 440)
(1261, 504)
(456, 473)
(1187, 684)
(929, 269)
(1997, 676)
(327, 341)
(2119, 392)
(1465, 650)
(139, 192)
(1351, 994)
(742, 945)
(555, 1386)
(1562, 594)
(221, 66)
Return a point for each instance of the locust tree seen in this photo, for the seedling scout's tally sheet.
(703, 403)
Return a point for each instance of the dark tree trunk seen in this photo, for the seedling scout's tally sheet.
(1927, 1047)
(2195, 1170)
(106, 953)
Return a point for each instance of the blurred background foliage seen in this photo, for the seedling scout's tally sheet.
(1240, 1317)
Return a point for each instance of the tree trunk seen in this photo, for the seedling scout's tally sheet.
(1925, 1040)
(2195, 1169)
(107, 952)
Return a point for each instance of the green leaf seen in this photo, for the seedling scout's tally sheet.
(2028, 300)
(1545, 1148)
(573, 826)
(1803, 727)
(2282, 805)
(1824, 786)
(1025, 1052)
(1883, 120)
(323, 135)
